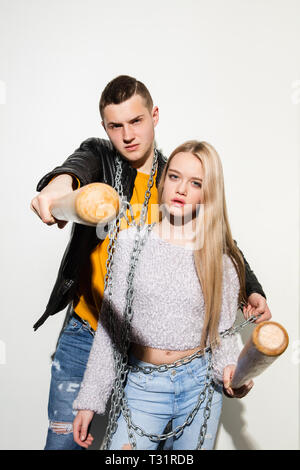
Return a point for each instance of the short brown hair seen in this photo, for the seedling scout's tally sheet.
(121, 89)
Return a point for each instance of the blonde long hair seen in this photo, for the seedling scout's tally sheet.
(215, 234)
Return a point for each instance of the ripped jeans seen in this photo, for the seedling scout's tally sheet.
(67, 373)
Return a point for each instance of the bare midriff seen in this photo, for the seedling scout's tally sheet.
(159, 356)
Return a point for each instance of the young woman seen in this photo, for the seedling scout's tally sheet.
(188, 282)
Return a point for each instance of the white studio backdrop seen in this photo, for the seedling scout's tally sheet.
(224, 72)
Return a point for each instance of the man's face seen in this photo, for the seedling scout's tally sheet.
(130, 127)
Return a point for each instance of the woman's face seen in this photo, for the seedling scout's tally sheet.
(183, 185)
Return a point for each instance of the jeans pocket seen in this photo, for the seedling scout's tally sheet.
(199, 375)
(73, 327)
(137, 380)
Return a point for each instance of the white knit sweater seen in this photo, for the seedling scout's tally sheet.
(168, 311)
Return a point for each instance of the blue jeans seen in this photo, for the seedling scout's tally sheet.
(67, 373)
(156, 398)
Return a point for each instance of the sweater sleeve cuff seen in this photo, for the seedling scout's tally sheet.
(93, 405)
(218, 372)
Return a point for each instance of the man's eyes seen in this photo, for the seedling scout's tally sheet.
(114, 126)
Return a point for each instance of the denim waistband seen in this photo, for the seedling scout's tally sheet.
(84, 322)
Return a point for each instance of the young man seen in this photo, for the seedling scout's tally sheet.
(129, 119)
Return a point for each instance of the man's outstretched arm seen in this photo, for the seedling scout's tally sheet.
(80, 168)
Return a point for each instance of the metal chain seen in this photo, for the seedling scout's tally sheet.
(119, 358)
(123, 367)
(114, 228)
(118, 399)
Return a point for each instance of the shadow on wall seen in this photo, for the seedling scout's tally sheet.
(234, 423)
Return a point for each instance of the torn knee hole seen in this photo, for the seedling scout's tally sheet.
(126, 447)
(61, 428)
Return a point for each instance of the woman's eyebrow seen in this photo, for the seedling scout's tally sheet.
(193, 177)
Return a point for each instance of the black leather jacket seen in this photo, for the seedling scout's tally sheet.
(94, 161)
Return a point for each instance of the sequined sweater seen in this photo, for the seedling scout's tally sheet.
(168, 312)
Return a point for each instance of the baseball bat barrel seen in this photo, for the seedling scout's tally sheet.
(268, 341)
(92, 204)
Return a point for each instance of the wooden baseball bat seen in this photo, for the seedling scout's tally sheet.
(90, 205)
(268, 341)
